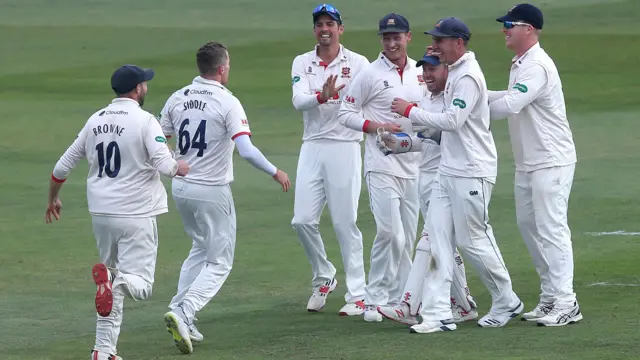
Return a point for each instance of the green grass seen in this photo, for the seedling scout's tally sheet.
(55, 69)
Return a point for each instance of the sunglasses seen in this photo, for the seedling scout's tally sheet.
(512, 24)
(328, 8)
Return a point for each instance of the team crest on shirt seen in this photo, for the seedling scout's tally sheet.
(310, 71)
(420, 79)
(346, 72)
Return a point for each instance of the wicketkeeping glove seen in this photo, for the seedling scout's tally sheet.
(397, 143)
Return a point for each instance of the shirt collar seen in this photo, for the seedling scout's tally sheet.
(200, 80)
(435, 96)
(316, 60)
(518, 60)
(469, 55)
(125, 101)
(391, 66)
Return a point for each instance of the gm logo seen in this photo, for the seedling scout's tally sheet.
(473, 192)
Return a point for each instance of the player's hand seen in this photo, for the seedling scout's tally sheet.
(183, 168)
(385, 141)
(431, 52)
(53, 211)
(283, 179)
(399, 106)
(329, 89)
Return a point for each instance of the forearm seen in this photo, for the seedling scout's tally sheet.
(501, 109)
(439, 121)
(164, 162)
(303, 101)
(495, 95)
(54, 189)
(253, 155)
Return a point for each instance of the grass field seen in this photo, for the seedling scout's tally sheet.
(54, 72)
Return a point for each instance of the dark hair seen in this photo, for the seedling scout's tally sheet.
(211, 56)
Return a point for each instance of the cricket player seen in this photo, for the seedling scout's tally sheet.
(462, 191)
(463, 306)
(126, 152)
(329, 165)
(392, 181)
(208, 121)
(545, 158)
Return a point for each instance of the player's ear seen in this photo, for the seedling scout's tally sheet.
(408, 36)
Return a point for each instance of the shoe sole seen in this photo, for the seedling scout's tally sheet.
(331, 289)
(182, 342)
(574, 320)
(449, 327)
(104, 296)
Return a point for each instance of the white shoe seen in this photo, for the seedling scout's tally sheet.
(499, 320)
(371, 314)
(319, 296)
(459, 315)
(427, 327)
(194, 333)
(352, 309)
(541, 310)
(98, 355)
(561, 315)
(399, 313)
(180, 332)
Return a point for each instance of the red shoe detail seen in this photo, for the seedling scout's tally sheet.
(360, 304)
(104, 297)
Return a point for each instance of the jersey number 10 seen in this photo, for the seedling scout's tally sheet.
(104, 160)
(185, 142)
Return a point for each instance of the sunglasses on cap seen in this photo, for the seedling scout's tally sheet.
(328, 8)
(512, 24)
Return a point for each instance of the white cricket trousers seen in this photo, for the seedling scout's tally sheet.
(460, 205)
(460, 294)
(209, 218)
(542, 200)
(329, 172)
(130, 246)
(394, 203)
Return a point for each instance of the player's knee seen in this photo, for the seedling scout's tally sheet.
(302, 222)
(423, 244)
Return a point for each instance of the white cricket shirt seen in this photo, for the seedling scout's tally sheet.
(369, 99)
(308, 75)
(126, 152)
(467, 145)
(430, 149)
(534, 104)
(205, 117)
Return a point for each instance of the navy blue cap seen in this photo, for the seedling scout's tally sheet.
(326, 9)
(127, 77)
(450, 27)
(428, 59)
(393, 23)
(526, 13)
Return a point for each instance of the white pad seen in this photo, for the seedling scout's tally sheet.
(460, 294)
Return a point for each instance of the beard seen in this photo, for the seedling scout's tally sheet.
(141, 100)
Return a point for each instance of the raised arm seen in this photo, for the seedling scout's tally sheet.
(303, 97)
(528, 86)
(466, 93)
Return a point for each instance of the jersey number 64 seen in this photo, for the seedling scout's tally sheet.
(186, 142)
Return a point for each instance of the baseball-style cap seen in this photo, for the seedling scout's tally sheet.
(127, 77)
(450, 27)
(428, 59)
(393, 23)
(525, 13)
(326, 9)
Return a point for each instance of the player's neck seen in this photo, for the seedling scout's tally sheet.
(401, 63)
(216, 77)
(526, 46)
(328, 53)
